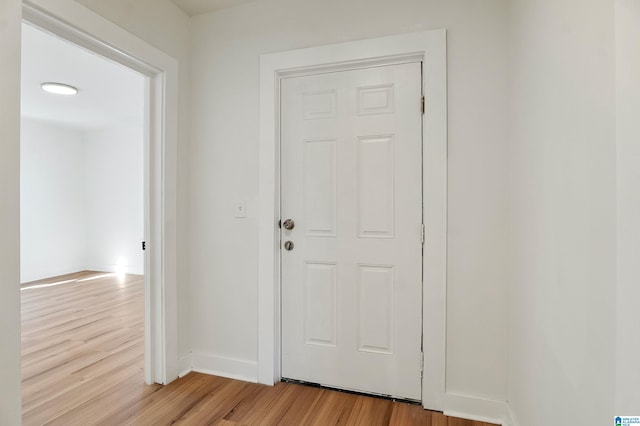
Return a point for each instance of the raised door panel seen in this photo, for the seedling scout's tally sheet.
(375, 186)
(320, 302)
(376, 309)
(320, 187)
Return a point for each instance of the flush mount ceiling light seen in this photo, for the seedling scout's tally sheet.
(59, 88)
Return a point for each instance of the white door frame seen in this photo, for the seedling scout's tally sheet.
(77, 24)
(429, 47)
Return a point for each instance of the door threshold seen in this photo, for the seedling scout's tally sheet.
(353, 392)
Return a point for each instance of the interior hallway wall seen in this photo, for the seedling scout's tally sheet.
(627, 391)
(226, 48)
(563, 188)
(10, 373)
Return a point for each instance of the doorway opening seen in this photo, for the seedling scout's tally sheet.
(82, 223)
(89, 31)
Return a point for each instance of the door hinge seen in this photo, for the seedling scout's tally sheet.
(144, 245)
(422, 231)
(422, 104)
(422, 364)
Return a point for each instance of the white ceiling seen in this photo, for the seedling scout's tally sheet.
(197, 7)
(108, 93)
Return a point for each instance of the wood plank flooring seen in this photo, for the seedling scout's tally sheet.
(82, 355)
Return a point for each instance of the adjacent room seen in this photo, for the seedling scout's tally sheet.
(81, 203)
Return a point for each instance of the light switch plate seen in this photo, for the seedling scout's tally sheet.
(241, 209)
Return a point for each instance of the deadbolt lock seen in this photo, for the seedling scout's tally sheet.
(288, 224)
(288, 245)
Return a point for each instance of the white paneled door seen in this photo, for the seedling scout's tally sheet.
(351, 185)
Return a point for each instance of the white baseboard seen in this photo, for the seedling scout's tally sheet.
(232, 368)
(185, 365)
(478, 409)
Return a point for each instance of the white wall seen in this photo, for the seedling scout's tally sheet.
(113, 189)
(628, 138)
(52, 201)
(10, 27)
(81, 199)
(563, 174)
(225, 49)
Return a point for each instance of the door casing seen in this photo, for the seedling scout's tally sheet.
(74, 23)
(428, 47)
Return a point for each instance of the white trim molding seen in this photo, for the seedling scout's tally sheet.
(79, 25)
(185, 365)
(224, 366)
(428, 47)
(478, 409)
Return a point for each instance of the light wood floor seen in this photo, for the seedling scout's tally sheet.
(82, 355)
